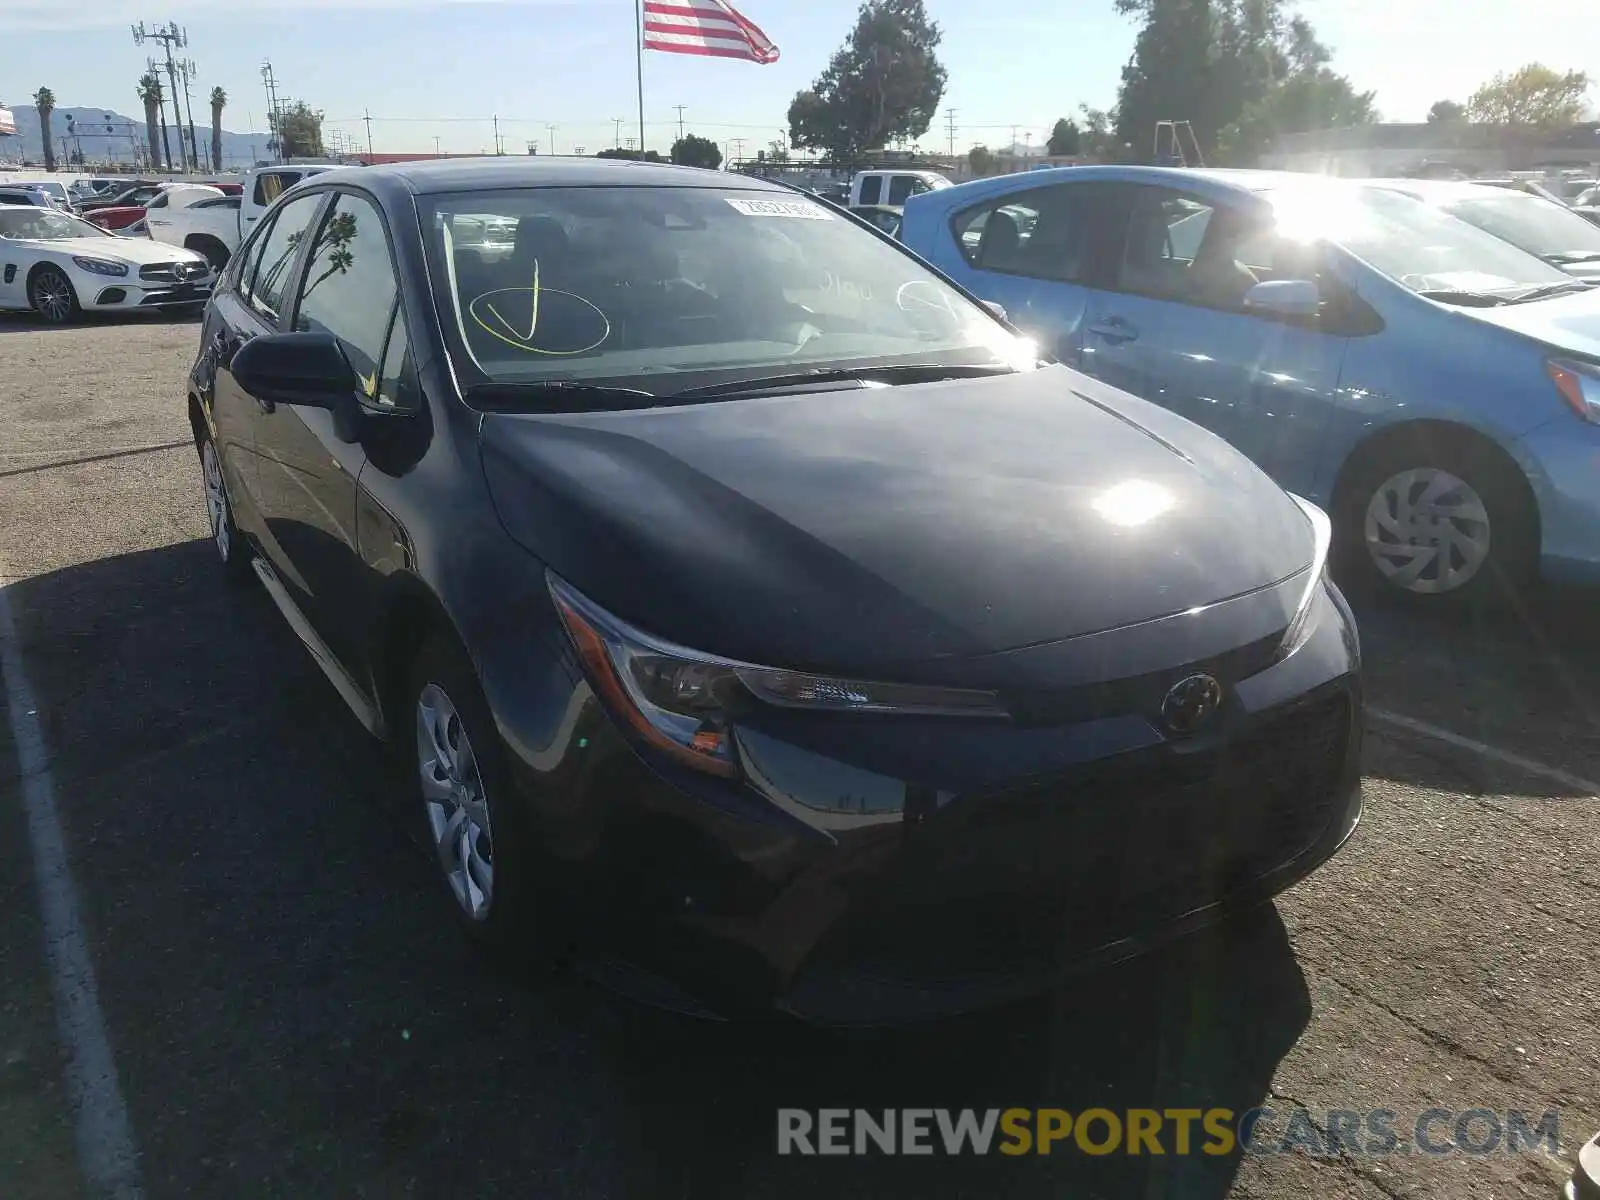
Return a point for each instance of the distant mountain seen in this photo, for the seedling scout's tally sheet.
(103, 136)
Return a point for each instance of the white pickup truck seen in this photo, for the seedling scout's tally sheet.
(216, 227)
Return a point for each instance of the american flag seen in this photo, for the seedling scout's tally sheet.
(711, 27)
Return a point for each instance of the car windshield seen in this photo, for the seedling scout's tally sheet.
(44, 225)
(1416, 244)
(1536, 225)
(664, 289)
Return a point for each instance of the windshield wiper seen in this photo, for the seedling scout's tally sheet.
(556, 396)
(1545, 290)
(1467, 299)
(1566, 258)
(906, 373)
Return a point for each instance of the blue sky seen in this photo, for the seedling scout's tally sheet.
(536, 63)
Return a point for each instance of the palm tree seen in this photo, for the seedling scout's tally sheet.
(150, 93)
(219, 100)
(45, 101)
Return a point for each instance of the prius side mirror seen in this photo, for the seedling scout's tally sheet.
(303, 370)
(996, 308)
(1284, 298)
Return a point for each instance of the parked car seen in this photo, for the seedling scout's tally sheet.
(27, 194)
(1552, 231)
(57, 191)
(215, 230)
(892, 188)
(170, 197)
(740, 592)
(133, 195)
(1433, 386)
(60, 266)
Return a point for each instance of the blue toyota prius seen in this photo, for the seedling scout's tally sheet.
(1434, 387)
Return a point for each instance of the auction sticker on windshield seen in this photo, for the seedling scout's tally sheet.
(780, 208)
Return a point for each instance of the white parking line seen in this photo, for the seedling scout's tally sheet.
(1504, 757)
(105, 1140)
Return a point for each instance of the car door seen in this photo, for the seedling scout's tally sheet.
(257, 305)
(1171, 324)
(346, 288)
(1035, 253)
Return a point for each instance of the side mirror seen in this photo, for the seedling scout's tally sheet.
(997, 309)
(306, 370)
(1284, 297)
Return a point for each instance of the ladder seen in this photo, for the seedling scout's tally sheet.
(1176, 153)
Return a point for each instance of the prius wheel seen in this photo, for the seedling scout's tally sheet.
(478, 839)
(225, 536)
(52, 296)
(1440, 520)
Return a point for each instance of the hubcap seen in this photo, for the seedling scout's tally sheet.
(452, 790)
(52, 296)
(216, 501)
(1427, 531)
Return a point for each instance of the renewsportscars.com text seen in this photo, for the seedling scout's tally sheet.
(1178, 1131)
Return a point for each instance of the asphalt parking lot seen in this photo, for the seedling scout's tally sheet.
(290, 1012)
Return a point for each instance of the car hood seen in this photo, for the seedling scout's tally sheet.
(130, 250)
(1570, 322)
(863, 528)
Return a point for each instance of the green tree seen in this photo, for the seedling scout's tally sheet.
(1534, 96)
(882, 86)
(1446, 112)
(45, 101)
(631, 155)
(150, 94)
(981, 160)
(1098, 138)
(1310, 99)
(219, 101)
(692, 150)
(299, 131)
(1066, 138)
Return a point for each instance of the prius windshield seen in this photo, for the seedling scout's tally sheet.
(1537, 225)
(646, 287)
(1421, 246)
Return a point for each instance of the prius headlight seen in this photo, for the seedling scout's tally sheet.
(683, 702)
(1301, 626)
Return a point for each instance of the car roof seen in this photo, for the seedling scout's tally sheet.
(428, 176)
(1440, 190)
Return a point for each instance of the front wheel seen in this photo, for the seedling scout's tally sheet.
(230, 545)
(52, 296)
(1439, 521)
(479, 839)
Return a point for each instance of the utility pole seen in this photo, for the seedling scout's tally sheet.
(436, 153)
(366, 115)
(169, 36)
(551, 130)
(950, 120)
(275, 134)
(497, 147)
(680, 108)
(1012, 149)
(152, 67)
(188, 70)
(738, 148)
(616, 137)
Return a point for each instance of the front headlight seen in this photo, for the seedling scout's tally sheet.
(101, 266)
(1322, 532)
(1579, 385)
(683, 702)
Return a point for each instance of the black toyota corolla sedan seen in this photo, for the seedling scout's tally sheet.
(747, 599)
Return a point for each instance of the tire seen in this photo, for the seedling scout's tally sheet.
(233, 552)
(1438, 520)
(483, 848)
(216, 253)
(52, 296)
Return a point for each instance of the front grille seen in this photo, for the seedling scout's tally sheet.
(1001, 882)
(173, 272)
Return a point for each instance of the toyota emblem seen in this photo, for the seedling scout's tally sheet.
(1190, 704)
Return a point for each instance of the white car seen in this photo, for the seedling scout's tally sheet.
(60, 266)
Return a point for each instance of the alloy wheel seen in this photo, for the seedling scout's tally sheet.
(52, 296)
(1427, 531)
(217, 501)
(458, 811)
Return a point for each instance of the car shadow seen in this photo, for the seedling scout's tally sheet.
(28, 322)
(291, 1003)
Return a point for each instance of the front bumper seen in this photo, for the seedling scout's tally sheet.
(1562, 461)
(915, 870)
(110, 295)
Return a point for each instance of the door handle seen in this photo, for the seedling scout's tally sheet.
(1114, 330)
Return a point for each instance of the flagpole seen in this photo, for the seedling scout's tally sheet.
(639, 16)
